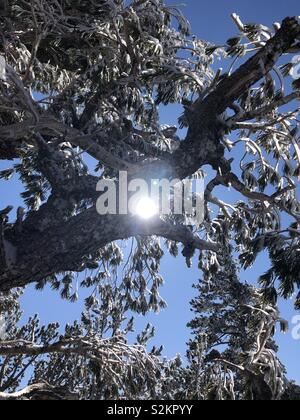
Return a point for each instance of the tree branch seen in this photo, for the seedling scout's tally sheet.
(202, 145)
(231, 88)
(48, 125)
(110, 354)
(64, 244)
(41, 391)
(58, 248)
(262, 112)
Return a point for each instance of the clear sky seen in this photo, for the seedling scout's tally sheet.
(210, 20)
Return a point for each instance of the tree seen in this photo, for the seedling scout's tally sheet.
(81, 81)
(235, 326)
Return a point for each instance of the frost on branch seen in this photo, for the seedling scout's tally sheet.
(80, 98)
(2, 68)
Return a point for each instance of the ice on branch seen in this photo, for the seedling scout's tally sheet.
(2, 328)
(2, 68)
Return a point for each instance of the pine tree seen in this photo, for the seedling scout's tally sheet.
(81, 83)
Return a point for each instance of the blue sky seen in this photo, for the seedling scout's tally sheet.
(210, 20)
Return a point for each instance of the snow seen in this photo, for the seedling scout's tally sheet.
(277, 26)
(2, 68)
(238, 22)
(2, 328)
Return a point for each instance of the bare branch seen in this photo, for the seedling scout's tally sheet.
(262, 112)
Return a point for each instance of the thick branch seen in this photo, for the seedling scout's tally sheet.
(41, 391)
(231, 88)
(62, 247)
(202, 145)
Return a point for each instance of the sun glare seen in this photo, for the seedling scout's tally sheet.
(146, 208)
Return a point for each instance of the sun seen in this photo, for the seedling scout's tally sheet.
(146, 208)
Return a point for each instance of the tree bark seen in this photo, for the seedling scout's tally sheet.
(42, 391)
(62, 247)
